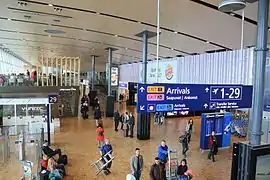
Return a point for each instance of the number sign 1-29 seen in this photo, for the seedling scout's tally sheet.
(53, 99)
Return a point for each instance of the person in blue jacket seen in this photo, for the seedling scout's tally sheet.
(107, 147)
(163, 152)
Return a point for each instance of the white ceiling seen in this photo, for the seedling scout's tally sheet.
(91, 28)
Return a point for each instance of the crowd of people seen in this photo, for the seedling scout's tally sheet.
(125, 121)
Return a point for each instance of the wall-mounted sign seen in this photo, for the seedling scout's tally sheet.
(123, 85)
(53, 98)
(114, 76)
(32, 108)
(166, 73)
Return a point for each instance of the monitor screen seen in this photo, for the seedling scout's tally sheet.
(262, 168)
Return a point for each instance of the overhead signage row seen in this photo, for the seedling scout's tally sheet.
(192, 97)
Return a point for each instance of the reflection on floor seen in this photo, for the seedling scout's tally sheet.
(77, 138)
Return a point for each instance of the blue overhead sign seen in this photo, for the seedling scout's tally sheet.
(192, 97)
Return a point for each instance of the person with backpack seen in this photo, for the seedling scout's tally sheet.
(100, 135)
(97, 115)
(184, 141)
(131, 124)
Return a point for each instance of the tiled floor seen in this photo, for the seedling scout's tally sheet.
(77, 139)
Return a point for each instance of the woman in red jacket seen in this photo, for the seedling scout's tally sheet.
(212, 146)
(100, 135)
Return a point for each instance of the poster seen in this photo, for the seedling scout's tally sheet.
(114, 76)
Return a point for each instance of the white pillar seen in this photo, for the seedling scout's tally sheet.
(74, 72)
(47, 72)
(66, 71)
(79, 70)
(15, 116)
(56, 71)
(42, 68)
(61, 72)
(70, 73)
(37, 70)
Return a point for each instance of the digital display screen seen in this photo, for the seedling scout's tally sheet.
(262, 168)
(172, 113)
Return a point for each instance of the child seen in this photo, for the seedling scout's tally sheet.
(44, 162)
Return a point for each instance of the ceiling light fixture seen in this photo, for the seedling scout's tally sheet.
(97, 13)
(172, 49)
(175, 32)
(207, 42)
(9, 19)
(139, 22)
(50, 5)
(231, 5)
(116, 35)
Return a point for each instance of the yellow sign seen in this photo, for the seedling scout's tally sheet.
(155, 89)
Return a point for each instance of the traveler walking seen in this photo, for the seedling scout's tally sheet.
(190, 128)
(212, 146)
(131, 124)
(122, 118)
(157, 171)
(107, 147)
(100, 135)
(136, 164)
(97, 115)
(116, 118)
(184, 141)
(163, 152)
(126, 127)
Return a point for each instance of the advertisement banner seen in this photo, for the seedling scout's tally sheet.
(267, 84)
(114, 76)
(166, 73)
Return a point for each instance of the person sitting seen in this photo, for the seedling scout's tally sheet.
(182, 170)
(49, 152)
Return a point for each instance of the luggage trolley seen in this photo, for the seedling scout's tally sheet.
(102, 162)
(172, 165)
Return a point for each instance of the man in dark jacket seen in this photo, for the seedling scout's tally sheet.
(157, 171)
(131, 124)
(97, 115)
(116, 118)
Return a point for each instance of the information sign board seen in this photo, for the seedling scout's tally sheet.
(192, 97)
(53, 98)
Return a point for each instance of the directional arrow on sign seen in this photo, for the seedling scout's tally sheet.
(142, 108)
(141, 89)
(205, 105)
(206, 89)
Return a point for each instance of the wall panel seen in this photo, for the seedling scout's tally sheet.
(231, 67)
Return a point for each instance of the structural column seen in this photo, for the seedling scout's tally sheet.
(259, 77)
(93, 72)
(143, 119)
(110, 98)
(93, 92)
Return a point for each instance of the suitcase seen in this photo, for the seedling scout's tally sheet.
(63, 160)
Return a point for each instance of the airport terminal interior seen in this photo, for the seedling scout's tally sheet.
(134, 90)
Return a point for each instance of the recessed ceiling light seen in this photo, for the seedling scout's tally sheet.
(139, 22)
(50, 5)
(126, 48)
(9, 19)
(175, 32)
(116, 35)
(172, 49)
(207, 42)
(97, 12)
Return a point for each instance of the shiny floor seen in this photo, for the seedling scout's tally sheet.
(77, 139)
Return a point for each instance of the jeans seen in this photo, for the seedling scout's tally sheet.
(137, 174)
(184, 148)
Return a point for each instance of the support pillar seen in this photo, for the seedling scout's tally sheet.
(110, 98)
(143, 119)
(93, 72)
(259, 77)
(93, 92)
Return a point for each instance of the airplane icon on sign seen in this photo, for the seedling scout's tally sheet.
(215, 91)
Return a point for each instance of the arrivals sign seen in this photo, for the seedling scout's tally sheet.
(192, 97)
